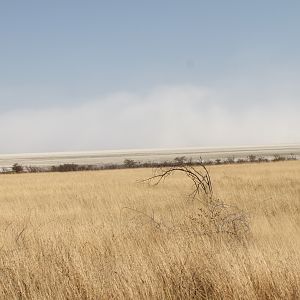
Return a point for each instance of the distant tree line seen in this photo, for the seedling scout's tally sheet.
(130, 163)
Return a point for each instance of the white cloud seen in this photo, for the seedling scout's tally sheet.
(176, 116)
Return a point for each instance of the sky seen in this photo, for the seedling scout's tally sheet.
(99, 75)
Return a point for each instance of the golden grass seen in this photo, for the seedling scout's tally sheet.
(68, 236)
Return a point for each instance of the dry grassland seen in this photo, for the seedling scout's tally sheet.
(69, 236)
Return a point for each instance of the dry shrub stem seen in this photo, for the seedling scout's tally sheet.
(214, 216)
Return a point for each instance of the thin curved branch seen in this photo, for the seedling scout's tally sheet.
(201, 181)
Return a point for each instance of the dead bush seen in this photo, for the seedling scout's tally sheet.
(214, 216)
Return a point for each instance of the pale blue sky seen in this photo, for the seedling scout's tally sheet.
(58, 57)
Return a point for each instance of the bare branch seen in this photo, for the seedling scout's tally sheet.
(201, 180)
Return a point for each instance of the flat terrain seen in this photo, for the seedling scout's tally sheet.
(103, 235)
(156, 155)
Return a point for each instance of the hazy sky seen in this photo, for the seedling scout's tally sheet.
(92, 75)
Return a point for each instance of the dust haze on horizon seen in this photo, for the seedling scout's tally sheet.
(166, 117)
(84, 77)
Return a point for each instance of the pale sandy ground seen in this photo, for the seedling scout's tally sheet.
(144, 155)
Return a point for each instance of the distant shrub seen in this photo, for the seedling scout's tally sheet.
(218, 161)
(180, 160)
(252, 158)
(32, 169)
(130, 163)
(262, 159)
(278, 157)
(17, 168)
(65, 168)
(292, 156)
(241, 161)
(111, 166)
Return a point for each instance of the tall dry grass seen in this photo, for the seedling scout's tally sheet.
(68, 236)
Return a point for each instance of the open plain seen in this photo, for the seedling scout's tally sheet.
(146, 155)
(104, 235)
